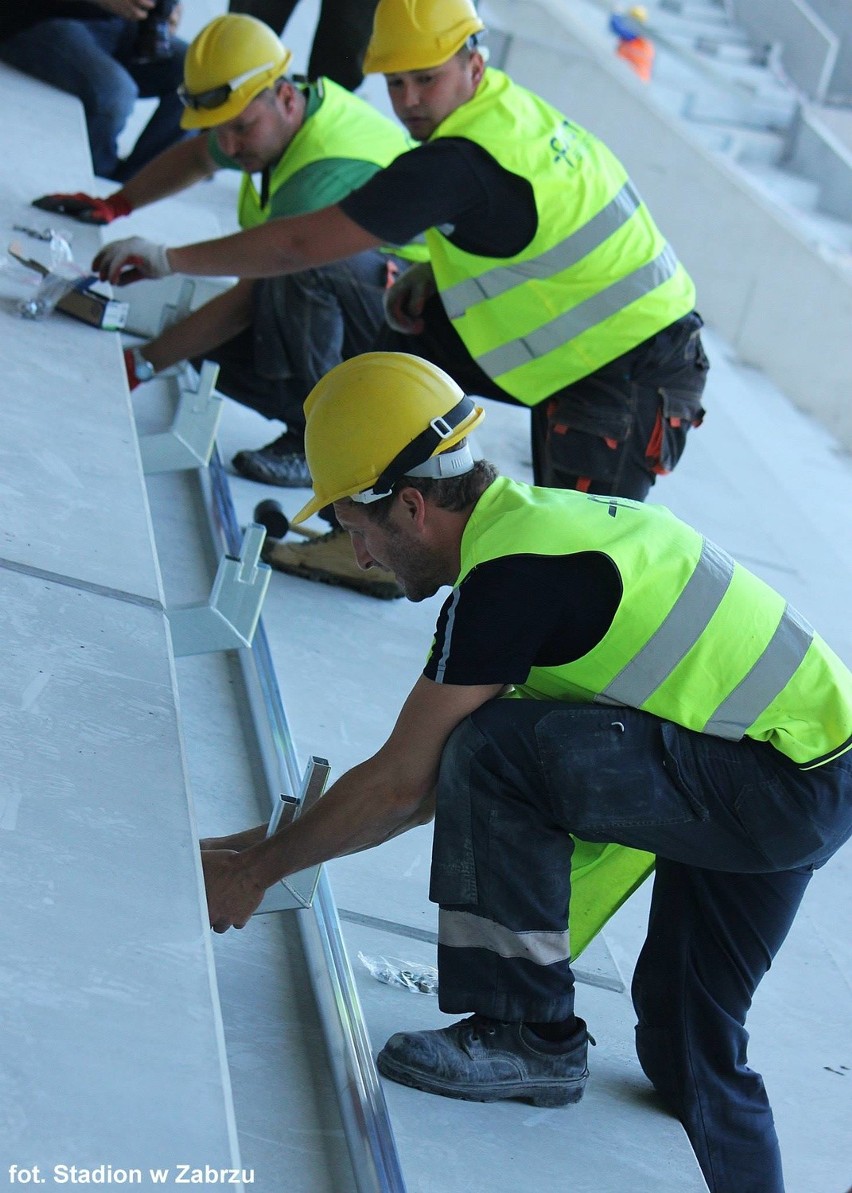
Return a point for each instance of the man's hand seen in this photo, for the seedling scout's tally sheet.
(86, 208)
(232, 897)
(131, 260)
(406, 298)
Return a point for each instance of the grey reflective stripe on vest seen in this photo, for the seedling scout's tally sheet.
(457, 299)
(769, 675)
(461, 930)
(581, 318)
(683, 626)
(441, 667)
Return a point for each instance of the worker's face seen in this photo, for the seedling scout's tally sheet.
(421, 99)
(259, 135)
(394, 545)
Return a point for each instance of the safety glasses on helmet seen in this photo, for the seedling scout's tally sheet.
(216, 96)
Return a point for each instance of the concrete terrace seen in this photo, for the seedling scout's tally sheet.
(769, 482)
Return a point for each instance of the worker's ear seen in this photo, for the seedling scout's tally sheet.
(413, 507)
(477, 68)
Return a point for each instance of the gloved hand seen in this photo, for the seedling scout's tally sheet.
(406, 298)
(85, 208)
(134, 364)
(130, 260)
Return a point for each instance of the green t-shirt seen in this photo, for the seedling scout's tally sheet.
(318, 185)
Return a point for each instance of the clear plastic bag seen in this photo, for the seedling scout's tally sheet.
(52, 288)
(419, 979)
(58, 276)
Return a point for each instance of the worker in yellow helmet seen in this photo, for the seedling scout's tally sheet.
(548, 282)
(665, 699)
(309, 144)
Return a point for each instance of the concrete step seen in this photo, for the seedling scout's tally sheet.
(745, 146)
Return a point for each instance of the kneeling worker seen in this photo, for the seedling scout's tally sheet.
(311, 144)
(548, 282)
(666, 699)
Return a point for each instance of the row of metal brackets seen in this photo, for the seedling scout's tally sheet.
(230, 619)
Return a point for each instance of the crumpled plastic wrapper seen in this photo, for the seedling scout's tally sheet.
(419, 979)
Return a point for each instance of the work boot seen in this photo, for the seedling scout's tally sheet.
(331, 560)
(280, 463)
(483, 1060)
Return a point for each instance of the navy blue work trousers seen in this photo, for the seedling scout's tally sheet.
(737, 829)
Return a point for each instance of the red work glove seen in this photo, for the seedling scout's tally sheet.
(85, 208)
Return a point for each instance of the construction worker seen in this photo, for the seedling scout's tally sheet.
(548, 283)
(634, 46)
(311, 144)
(665, 699)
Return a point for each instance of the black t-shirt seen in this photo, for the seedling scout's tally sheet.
(454, 185)
(519, 611)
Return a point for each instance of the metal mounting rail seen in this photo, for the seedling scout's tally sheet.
(366, 1122)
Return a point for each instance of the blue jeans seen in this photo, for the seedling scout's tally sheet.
(737, 829)
(94, 61)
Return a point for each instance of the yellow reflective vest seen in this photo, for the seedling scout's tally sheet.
(697, 639)
(598, 277)
(343, 126)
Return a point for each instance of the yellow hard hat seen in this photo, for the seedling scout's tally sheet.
(639, 13)
(228, 64)
(378, 417)
(416, 34)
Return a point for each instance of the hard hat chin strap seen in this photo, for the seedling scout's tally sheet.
(417, 459)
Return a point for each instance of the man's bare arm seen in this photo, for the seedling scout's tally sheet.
(176, 168)
(376, 800)
(277, 247)
(219, 320)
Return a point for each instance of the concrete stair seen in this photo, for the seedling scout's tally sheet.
(729, 89)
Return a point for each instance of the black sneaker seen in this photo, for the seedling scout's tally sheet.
(482, 1060)
(280, 463)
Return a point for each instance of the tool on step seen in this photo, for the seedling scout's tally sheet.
(271, 516)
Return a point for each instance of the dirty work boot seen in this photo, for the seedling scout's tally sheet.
(331, 560)
(280, 463)
(482, 1060)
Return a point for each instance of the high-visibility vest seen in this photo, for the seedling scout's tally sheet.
(598, 277)
(343, 126)
(697, 639)
(639, 53)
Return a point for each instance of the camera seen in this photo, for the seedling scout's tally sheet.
(154, 40)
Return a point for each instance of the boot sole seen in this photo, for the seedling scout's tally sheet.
(385, 592)
(542, 1094)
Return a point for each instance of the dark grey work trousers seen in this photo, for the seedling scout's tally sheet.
(737, 829)
(340, 39)
(611, 432)
(303, 325)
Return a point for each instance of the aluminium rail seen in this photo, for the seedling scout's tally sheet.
(366, 1121)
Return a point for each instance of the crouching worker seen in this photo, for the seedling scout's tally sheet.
(668, 701)
(310, 144)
